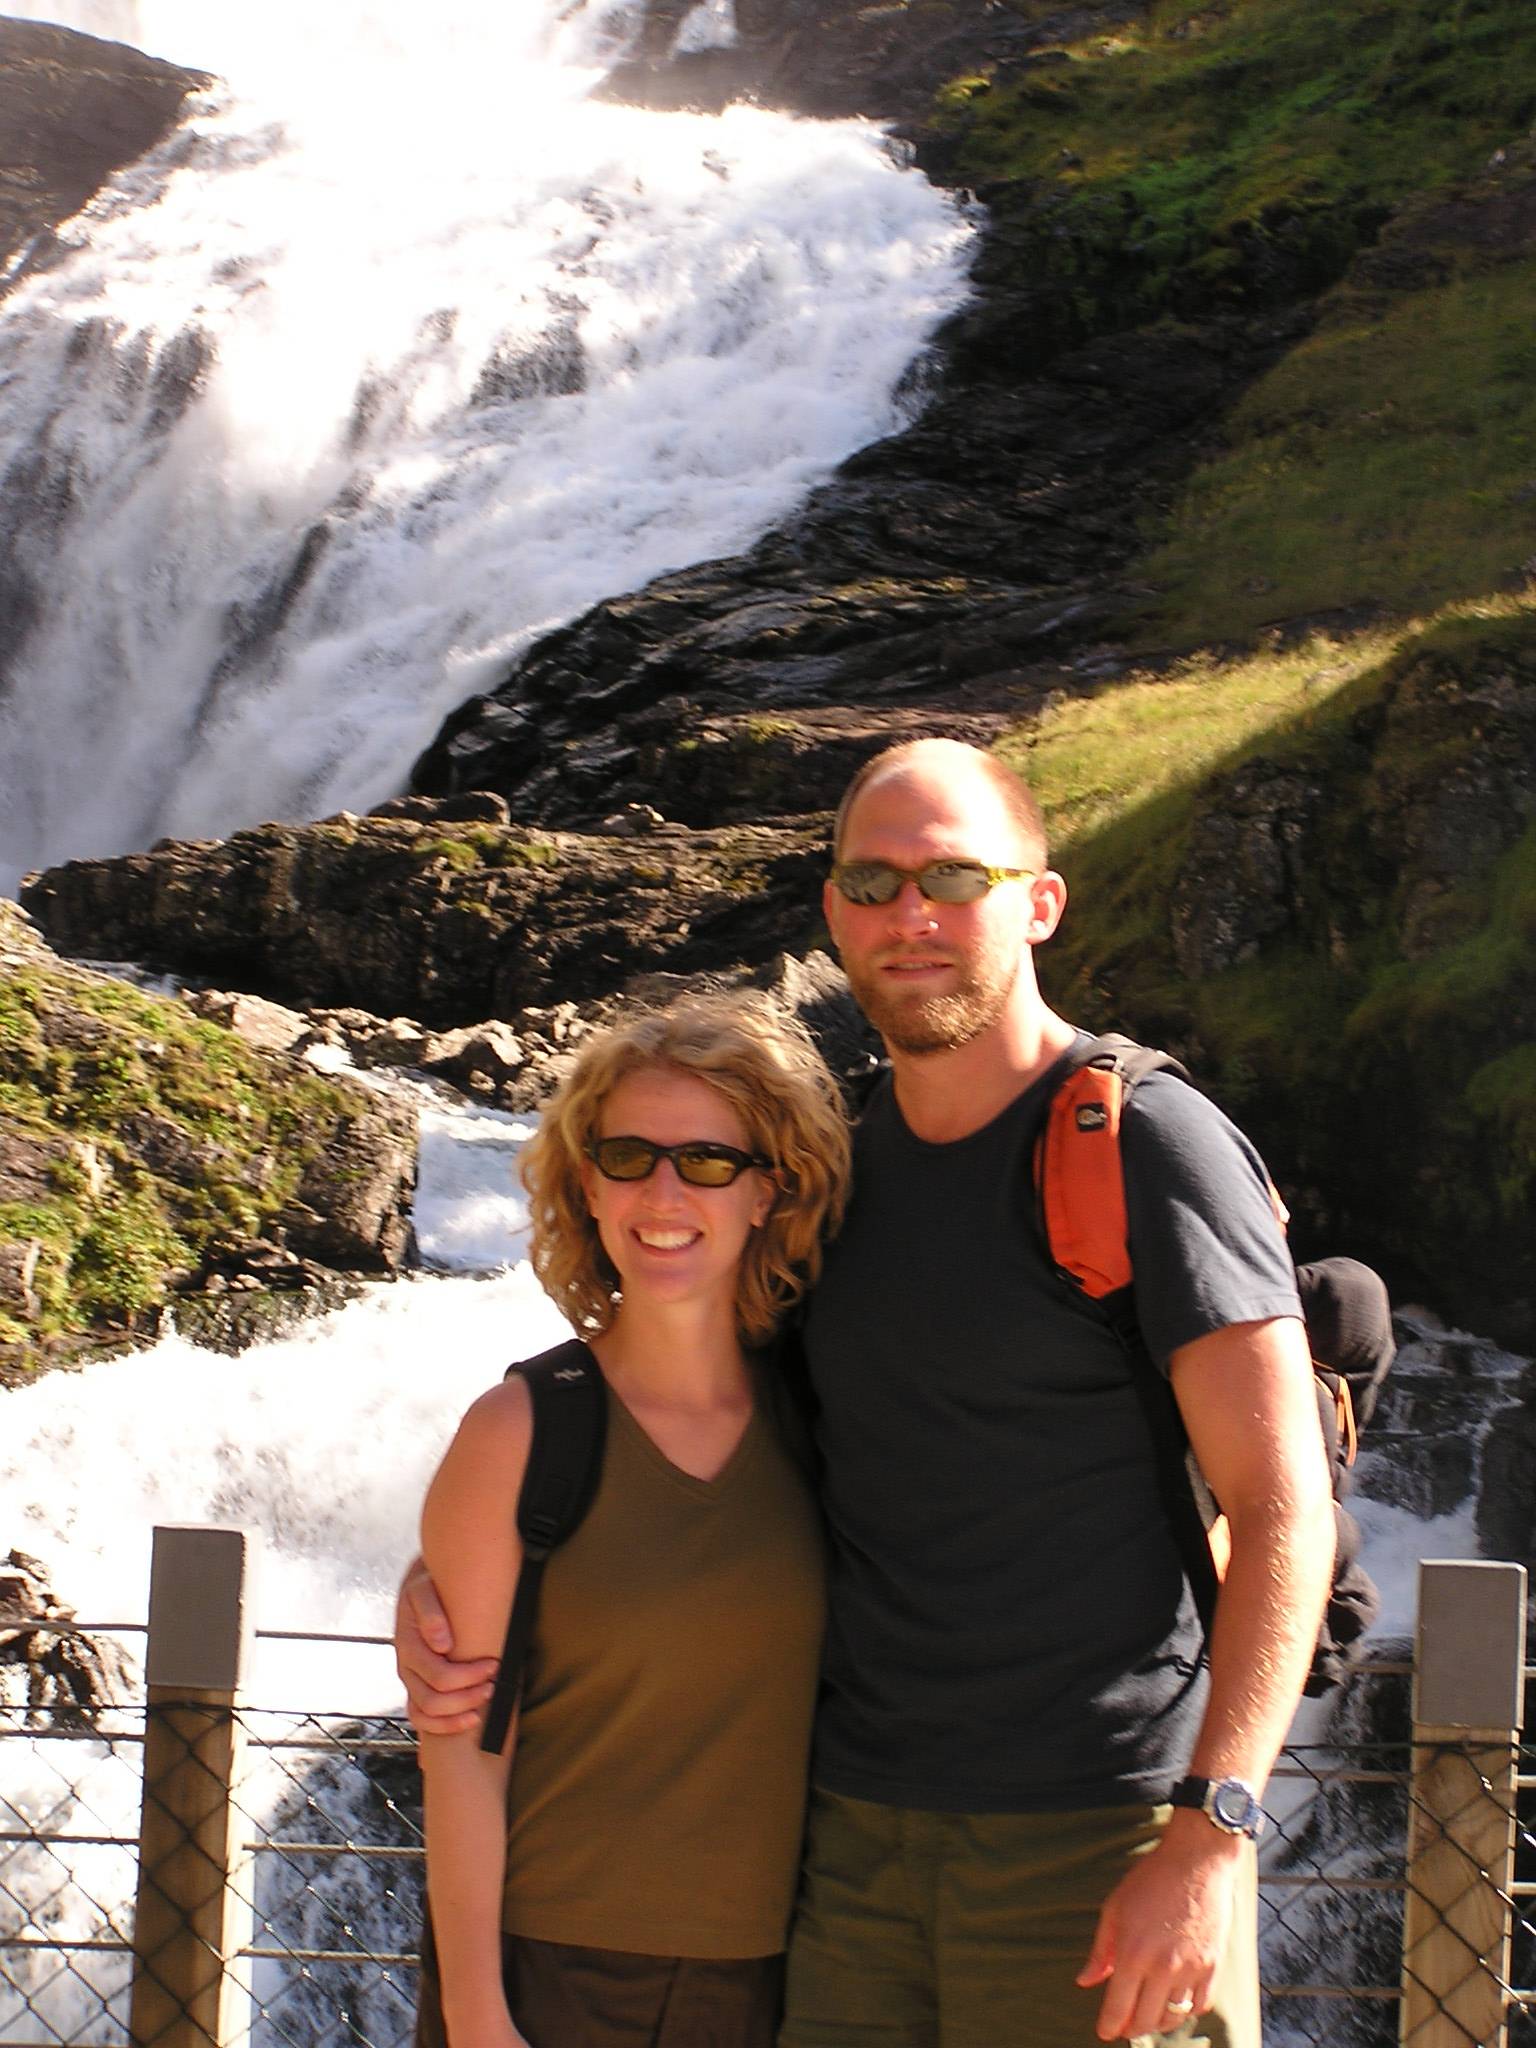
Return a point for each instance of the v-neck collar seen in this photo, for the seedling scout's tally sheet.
(703, 1489)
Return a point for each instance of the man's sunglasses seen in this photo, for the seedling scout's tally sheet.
(941, 881)
(700, 1164)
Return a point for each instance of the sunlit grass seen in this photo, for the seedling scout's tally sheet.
(1161, 733)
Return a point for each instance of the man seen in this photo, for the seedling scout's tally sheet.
(1012, 1684)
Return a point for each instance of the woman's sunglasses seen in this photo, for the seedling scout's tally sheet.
(942, 881)
(700, 1164)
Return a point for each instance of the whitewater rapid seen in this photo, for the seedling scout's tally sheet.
(402, 351)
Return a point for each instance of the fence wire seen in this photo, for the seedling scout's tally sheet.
(315, 1858)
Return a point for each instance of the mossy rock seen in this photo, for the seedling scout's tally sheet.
(137, 1140)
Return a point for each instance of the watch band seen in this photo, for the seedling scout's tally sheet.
(1230, 1804)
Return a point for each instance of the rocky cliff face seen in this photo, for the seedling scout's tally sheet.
(445, 912)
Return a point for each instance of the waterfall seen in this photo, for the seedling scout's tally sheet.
(401, 351)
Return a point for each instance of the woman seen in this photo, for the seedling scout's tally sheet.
(622, 1873)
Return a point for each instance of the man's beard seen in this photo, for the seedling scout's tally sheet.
(937, 1023)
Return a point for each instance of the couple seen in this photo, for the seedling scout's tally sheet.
(1032, 1812)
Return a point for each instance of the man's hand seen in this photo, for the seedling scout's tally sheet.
(1163, 1930)
(443, 1697)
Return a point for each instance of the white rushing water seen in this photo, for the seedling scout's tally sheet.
(403, 351)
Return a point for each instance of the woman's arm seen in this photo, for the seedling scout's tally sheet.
(470, 1546)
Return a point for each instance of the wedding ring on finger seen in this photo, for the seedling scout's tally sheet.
(1181, 2008)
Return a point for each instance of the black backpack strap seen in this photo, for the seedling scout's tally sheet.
(565, 1463)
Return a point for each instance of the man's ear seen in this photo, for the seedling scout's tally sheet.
(1047, 904)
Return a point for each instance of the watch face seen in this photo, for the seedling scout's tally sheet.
(1231, 1804)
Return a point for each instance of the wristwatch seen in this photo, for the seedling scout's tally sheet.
(1227, 1803)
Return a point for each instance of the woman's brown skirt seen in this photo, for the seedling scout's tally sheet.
(561, 1995)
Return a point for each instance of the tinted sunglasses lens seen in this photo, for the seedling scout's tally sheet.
(867, 881)
(710, 1166)
(625, 1158)
(702, 1166)
(954, 881)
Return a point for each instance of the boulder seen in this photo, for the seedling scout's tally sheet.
(147, 1153)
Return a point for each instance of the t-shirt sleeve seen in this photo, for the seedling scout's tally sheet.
(1206, 1248)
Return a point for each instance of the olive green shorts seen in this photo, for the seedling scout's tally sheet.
(948, 1930)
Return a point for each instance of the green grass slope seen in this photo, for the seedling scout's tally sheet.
(1301, 828)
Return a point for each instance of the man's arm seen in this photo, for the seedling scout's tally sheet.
(445, 1695)
(1246, 1396)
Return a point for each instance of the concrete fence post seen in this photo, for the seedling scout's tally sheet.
(1467, 1714)
(192, 1916)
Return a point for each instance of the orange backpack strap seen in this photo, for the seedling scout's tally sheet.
(1079, 1182)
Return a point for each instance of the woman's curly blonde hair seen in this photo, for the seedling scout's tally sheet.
(766, 1066)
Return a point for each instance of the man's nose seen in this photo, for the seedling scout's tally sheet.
(910, 909)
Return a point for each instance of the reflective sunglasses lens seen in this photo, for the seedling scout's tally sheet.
(625, 1158)
(954, 881)
(868, 881)
(710, 1166)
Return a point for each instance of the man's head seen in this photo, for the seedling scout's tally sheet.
(1014, 793)
(932, 975)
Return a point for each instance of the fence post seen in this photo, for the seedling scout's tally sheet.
(192, 1916)
(1467, 1713)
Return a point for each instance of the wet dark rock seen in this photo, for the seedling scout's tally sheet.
(824, 59)
(945, 574)
(73, 109)
(260, 1312)
(62, 1677)
(1506, 1509)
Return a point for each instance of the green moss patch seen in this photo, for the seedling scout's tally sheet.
(138, 1136)
(1236, 147)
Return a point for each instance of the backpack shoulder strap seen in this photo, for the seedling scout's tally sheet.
(1079, 1184)
(565, 1463)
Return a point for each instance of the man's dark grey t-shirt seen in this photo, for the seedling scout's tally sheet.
(1011, 1630)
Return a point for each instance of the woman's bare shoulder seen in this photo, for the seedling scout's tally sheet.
(495, 1430)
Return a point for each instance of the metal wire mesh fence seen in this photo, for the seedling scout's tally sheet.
(108, 1897)
(265, 1890)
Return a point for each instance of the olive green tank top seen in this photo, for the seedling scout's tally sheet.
(658, 1780)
